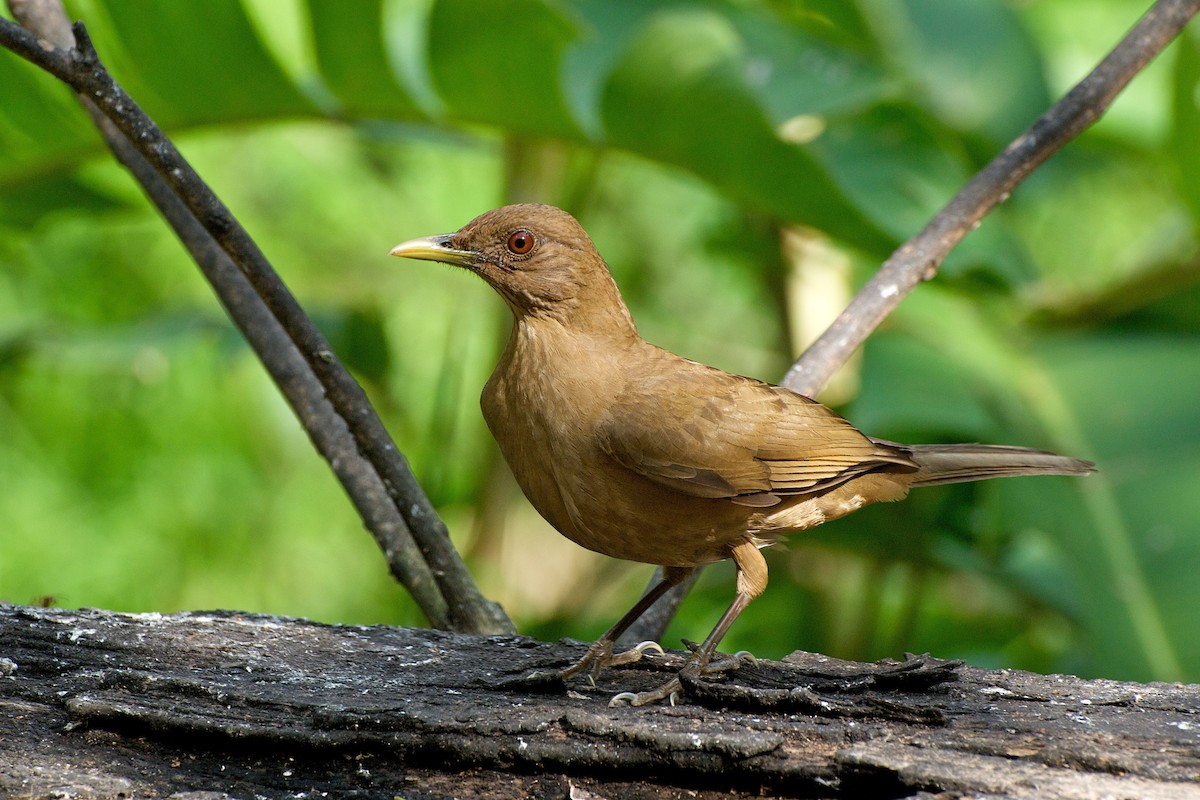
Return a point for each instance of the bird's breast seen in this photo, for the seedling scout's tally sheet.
(542, 415)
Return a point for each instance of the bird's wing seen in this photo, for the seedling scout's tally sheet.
(710, 434)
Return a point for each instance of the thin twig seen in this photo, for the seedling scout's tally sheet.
(81, 69)
(919, 258)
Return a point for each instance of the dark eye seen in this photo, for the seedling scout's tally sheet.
(521, 242)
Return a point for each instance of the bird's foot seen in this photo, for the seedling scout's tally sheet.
(600, 655)
(720, 662)
(696, 667)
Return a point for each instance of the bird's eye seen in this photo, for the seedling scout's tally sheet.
(521, 242)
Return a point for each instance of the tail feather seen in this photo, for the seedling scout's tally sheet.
(957, 463)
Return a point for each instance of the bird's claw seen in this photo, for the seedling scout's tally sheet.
(746, 657)
(634, 654)
(669, 691)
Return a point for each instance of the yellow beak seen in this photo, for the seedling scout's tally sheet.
(434, 248)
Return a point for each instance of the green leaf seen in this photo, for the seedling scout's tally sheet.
(23, 207)
(680, 94)
(901, 194)
(976, 62)
(794, 72)
(350, 51)
(42, 126)
(789, 70)
(196, 62)
(500, 62)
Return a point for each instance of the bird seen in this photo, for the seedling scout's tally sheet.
(630, 450)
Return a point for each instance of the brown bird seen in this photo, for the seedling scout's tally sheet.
(637, 453)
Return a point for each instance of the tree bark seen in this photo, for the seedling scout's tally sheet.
(97, 704)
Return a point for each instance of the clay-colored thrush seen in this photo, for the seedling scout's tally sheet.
(637, 453)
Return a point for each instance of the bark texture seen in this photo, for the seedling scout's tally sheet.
(95, 704)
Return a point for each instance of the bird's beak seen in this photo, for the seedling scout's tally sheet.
(434, 248)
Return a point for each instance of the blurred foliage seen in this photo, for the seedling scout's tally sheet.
(146, 462)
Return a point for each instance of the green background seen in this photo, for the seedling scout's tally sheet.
(147, 463)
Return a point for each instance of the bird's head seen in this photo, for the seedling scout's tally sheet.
(537, 257)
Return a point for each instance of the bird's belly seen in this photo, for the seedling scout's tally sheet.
(607, 509)
(654, 538)
(638, 520)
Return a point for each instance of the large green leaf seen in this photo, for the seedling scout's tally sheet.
(500, 62)
(681, 94)
(187, 56)
(184, 63)
(975, 61)
(348, 38)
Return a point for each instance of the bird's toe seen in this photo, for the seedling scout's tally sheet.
(671, 691)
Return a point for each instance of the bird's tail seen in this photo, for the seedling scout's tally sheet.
(957, 463)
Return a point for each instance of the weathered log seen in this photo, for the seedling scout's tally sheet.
(97, 704)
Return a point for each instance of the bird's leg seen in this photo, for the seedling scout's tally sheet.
(751, 581)
(600, 654)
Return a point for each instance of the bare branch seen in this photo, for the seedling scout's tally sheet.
(219, 242)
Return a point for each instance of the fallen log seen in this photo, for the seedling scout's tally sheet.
(98, 704)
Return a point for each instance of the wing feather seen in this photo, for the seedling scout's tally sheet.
(710, 434)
